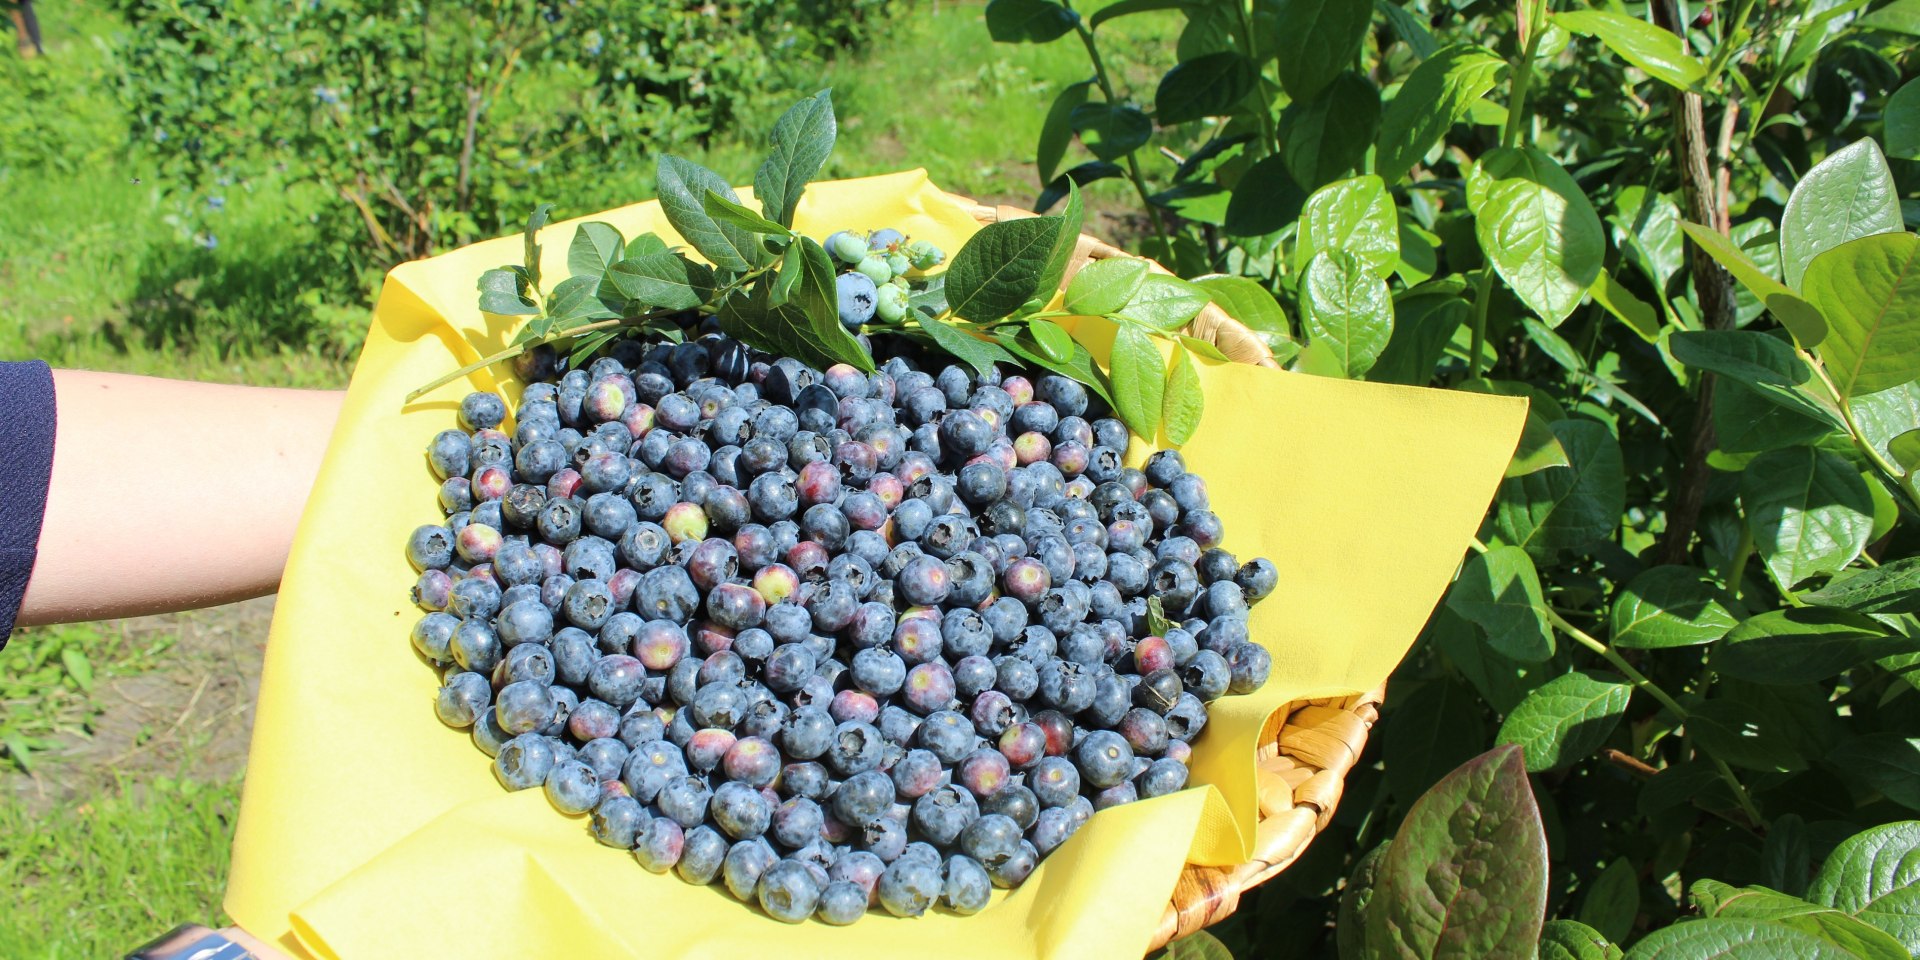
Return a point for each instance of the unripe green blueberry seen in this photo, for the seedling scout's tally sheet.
(876, 267)
(892, 304)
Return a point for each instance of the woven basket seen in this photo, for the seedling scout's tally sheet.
(1309, 745)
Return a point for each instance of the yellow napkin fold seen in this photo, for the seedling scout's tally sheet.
(369, 830)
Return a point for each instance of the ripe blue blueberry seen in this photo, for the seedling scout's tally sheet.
(789, 891)
(858, 298)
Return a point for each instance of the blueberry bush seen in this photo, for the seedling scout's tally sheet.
(408, 128)
(1687, 626)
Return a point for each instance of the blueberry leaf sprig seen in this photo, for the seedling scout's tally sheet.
(776, 290)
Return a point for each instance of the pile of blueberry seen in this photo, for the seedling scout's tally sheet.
(837, 639)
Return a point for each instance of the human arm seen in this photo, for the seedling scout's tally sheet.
(171, 494)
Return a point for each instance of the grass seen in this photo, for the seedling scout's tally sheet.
(51, 675)
(93, 879)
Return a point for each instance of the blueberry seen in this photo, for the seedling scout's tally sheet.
(618, 821)
(684, 798)
(858, 298)
(572, 787)
(703, 855)
(1104, 759)
(745, 863)
(658, 844)
(1162, 777)
(788, 891)
(909, 887)
(841, 903)
(740, 810)
(524, 761)
(1249, 664)
(463, 699)
(1256, 578)
(482, 411)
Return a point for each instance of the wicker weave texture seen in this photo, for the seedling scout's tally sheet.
(1305, 756)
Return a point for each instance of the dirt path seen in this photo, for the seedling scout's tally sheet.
(190, 717)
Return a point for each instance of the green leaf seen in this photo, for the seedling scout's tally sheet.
(964, 346)
(1265, 200)
(1438, 727)
(1875, 876)
(1905, 451)
(1646, 226)
(1434, 97)
(595, 247)
(1057, 131)
(792, 266)
(1356, 216)
(1139, 380)
(1325, 137)
(1637, 314)
(1198, 945)
(1318, 39)
(1902, 119)
(1126, 7)
(1887, 762)
(1613, 901)
(1784, 855)
(1079, 176)
(1247, 301)
(1561, 352)
(1350, 930)
(1466, 874)
(1422, 327)
(1884, 416)
(1891, 588)
(1008, 263)
(1180, 410)
(683, 185)
(1110, 131)
(1104, 286)
(1164, 303)
(1733, 937)
(1809, 511)
(530, 247)
(77, 667)
(1572, 940)
(1537, 228)
(645, 244)
(807, 326)
(1204, 349)
(1410, 29)
(1660, 53)
(1745, 355)
(1869, 291)
(1738, 735)
(500, 294)
(1900, 16)
(1847, 196)
(576, 300)
(1793, 312)
(1567, 718)
(1028, 21)
(1670, 606)
(1205, 86)
(732, 213)
(667, 281)
(1538, 449)
(1747, 420)
(1568, 509)
(587, 344)
(1803, 645)
(1716, 899)
(1500, 591)
(1053, 342)
(1346, 312)
(801, 141)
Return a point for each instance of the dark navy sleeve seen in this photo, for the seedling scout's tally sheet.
(26, 463)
